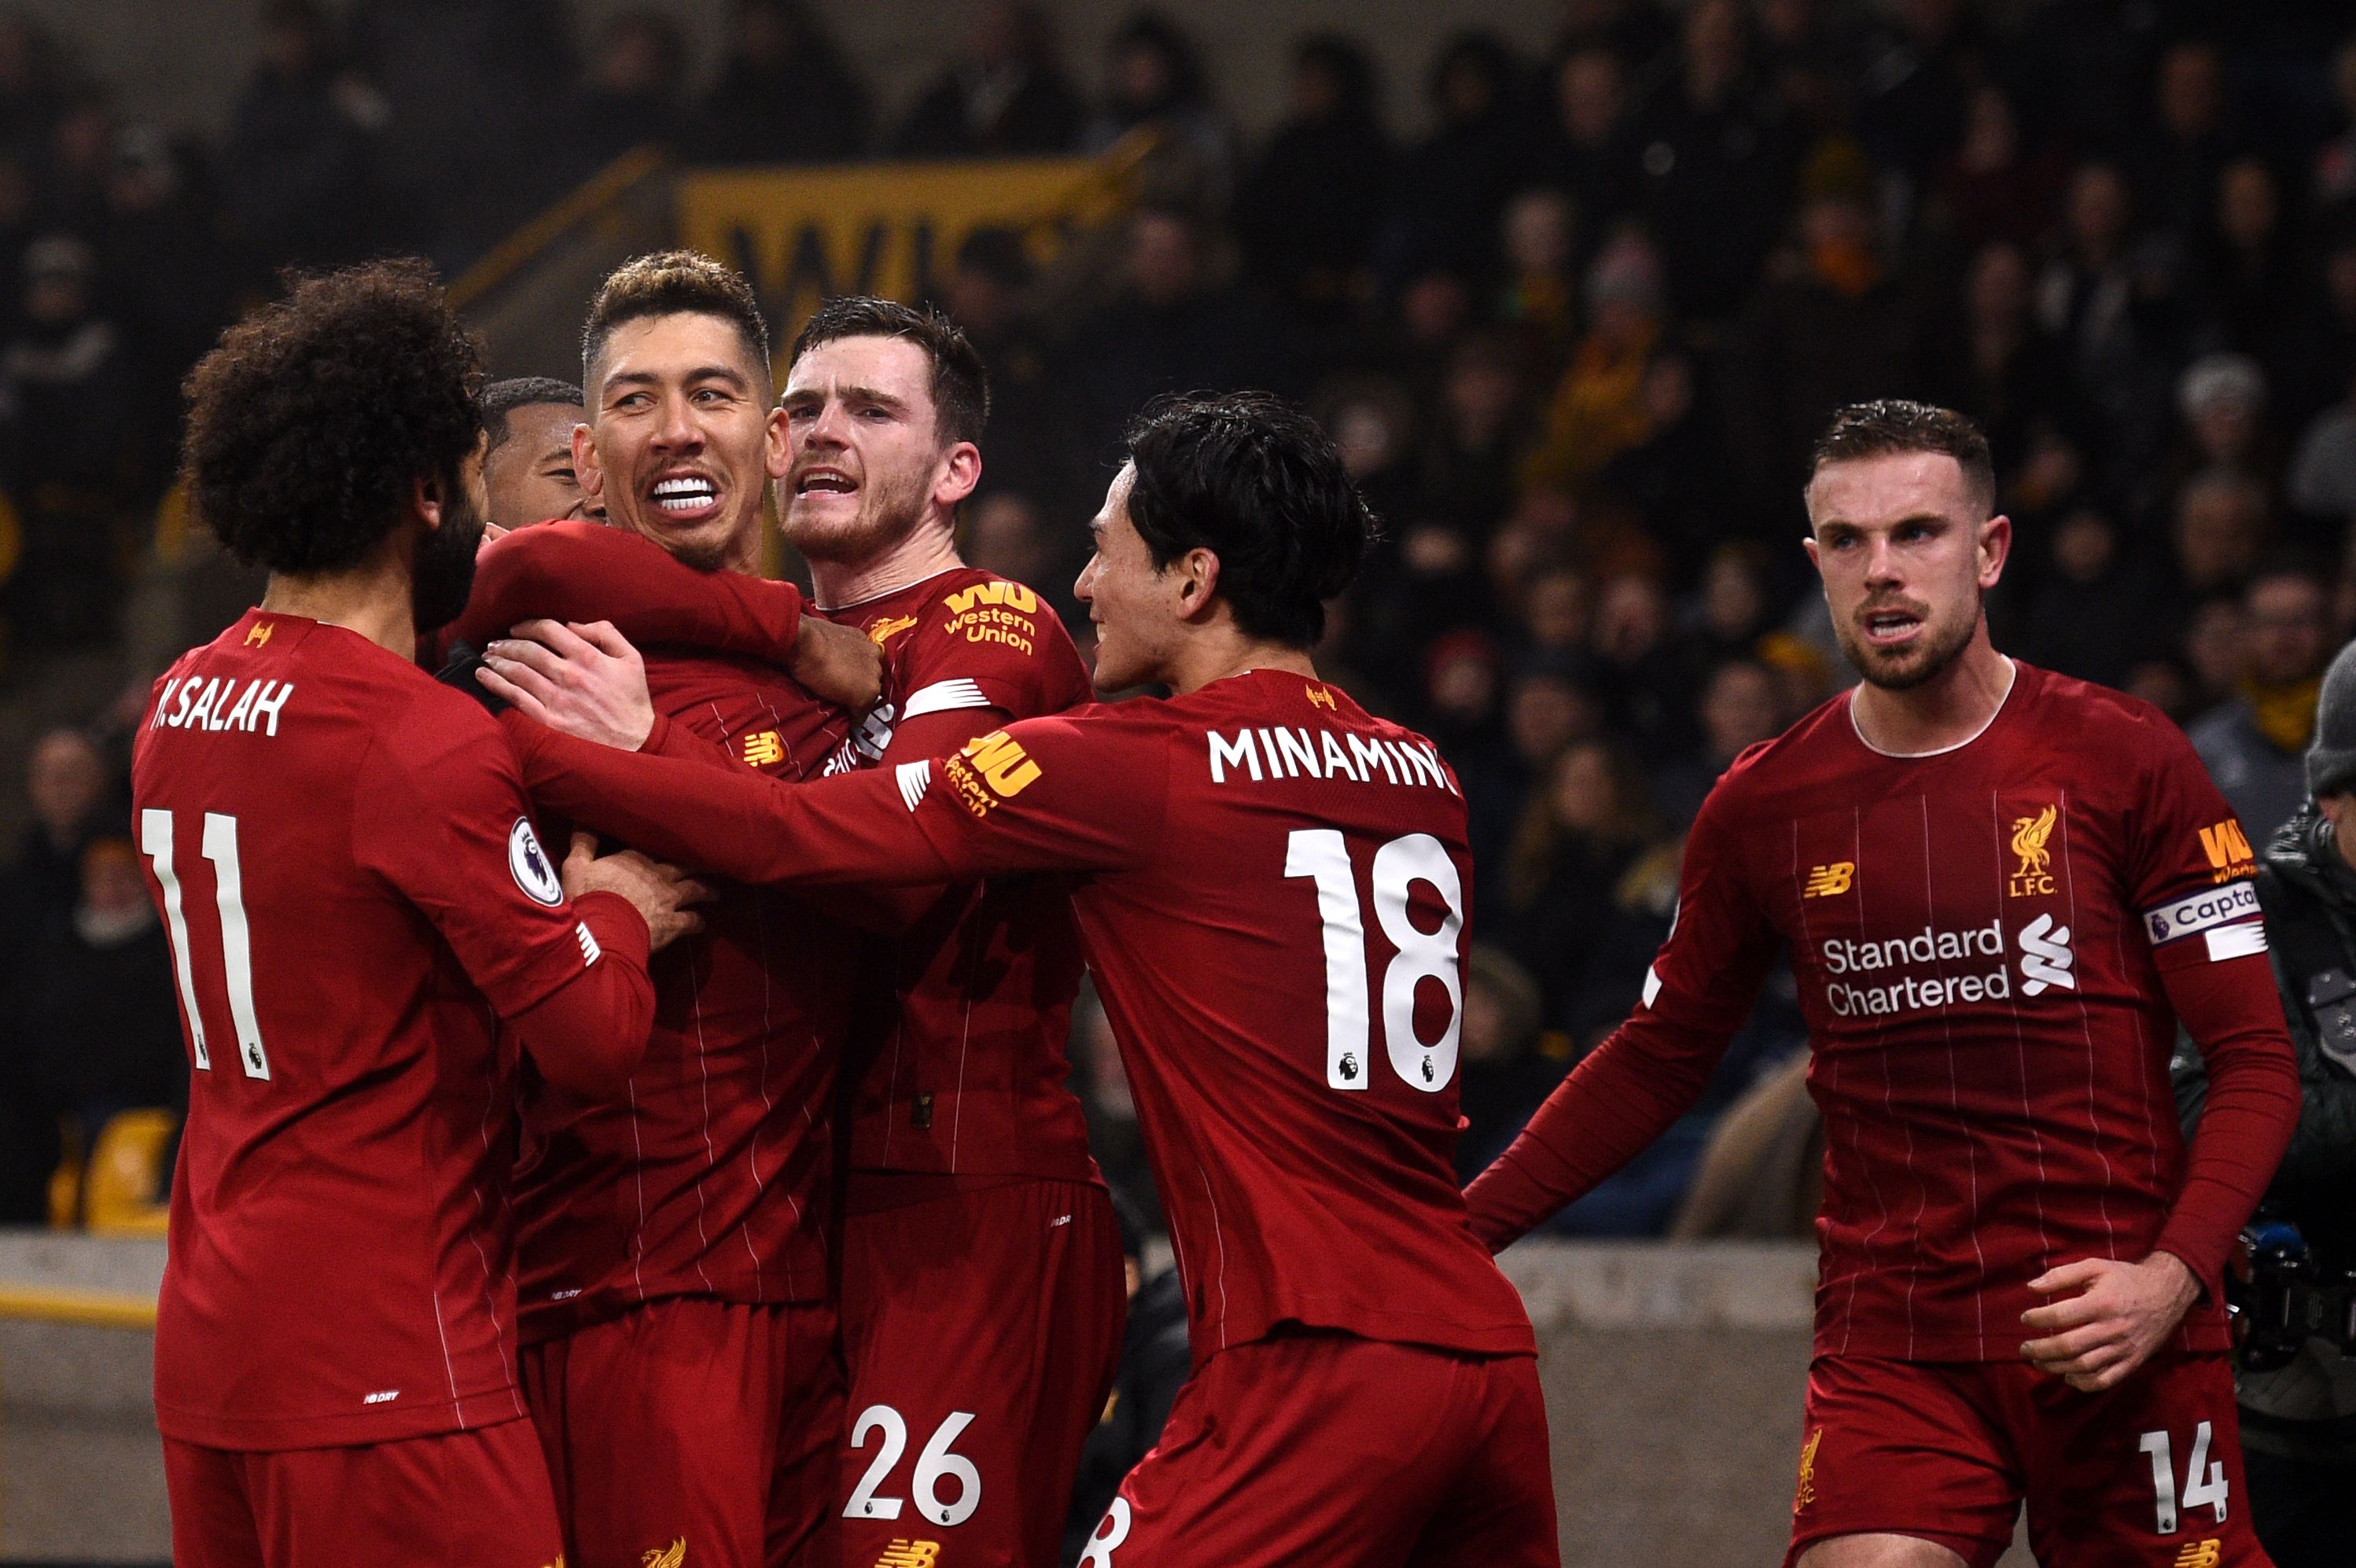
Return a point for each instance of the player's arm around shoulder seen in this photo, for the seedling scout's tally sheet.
(988, 648)
(439, 813)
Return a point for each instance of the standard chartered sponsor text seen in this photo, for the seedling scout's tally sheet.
(1844, 956)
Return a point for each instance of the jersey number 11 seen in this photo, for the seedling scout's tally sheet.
(1322, 855)
(237, 950)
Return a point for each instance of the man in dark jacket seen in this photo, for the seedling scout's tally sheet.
(2298, 1424)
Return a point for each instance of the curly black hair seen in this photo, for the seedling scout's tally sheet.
(1254, 480)
(311, 424)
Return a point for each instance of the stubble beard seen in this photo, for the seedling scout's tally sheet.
(1916, 667)
(891, 517)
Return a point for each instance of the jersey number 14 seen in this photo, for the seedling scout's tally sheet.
(237, 950)
(1322, 855)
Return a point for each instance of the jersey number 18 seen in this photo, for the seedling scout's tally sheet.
(1322, 855)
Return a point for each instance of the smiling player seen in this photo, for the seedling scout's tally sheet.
(1271, 886)
(2000, 889)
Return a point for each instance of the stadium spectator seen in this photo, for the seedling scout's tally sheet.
(457, 77)
(1454, 183)
(1004, 95)
(1505, 1068)
(2088, 616)
(1584, 150)
(300, 168)
(2187, 144)
(1171, 326)
(1996, 187)
(2252, 746)
(1310, 205)
(99, 1011)
(1714, 166)
(1154, 82)
(1590, 820)
(629, 95)
(2321, 479)
(784, 93)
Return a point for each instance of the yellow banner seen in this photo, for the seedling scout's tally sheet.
(807, 235)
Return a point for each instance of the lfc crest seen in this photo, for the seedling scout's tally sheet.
(2030, 878)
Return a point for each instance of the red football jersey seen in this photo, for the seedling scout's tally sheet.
(1980, 936)
(959, 1039)
(1272, 895)
(710, 1176)
(354, 896)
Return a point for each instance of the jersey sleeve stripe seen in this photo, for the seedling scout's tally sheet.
(943, 696)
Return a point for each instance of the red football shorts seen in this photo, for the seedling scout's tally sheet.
(1315, 1448)
(2146, 1475)
(982, 1327)
(477, 1498)
(692, 1419)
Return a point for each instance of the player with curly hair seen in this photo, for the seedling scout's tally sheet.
(364, 927)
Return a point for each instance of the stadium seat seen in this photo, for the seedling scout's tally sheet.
(126, 1173)
(65, 1182)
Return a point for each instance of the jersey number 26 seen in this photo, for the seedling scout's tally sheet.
(1322, 855)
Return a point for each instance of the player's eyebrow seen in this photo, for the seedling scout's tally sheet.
(727, 373)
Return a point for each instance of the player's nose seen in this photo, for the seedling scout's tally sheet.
(678, 427)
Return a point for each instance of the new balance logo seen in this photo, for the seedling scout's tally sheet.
(911, 1554)
(1824, 881)
(2201, 1554)
(2045, 957)
(766, 747)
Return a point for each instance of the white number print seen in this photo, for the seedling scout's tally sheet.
(219, 845)
(1111, 1530)
(933, 1465)
(2204, 1480)
(1322, 855)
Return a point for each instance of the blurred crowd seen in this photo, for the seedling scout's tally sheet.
(1573, 332)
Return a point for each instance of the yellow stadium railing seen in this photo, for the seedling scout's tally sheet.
(75, 1308)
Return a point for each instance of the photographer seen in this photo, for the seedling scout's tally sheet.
(2299, 1404)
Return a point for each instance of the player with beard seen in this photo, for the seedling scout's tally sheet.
(355, 899)
(967, 1158)
(1269, 886)
(2001, 889)
(677, 1324)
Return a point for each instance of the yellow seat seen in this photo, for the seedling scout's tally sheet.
(65, 1182)
(126, 1173)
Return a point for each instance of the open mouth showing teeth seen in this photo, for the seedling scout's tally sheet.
(825, 482)
(1890, 623)
(685, 495)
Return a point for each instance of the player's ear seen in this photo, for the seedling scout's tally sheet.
(584, 462)
(776, 456)
(959, 473)
(1994, 546)
(1198, 581)
(426, 501)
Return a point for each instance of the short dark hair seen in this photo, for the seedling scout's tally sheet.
(672, 283)
(311, 424)
(960, 384)
(1888, 425)
(1255, 481)
(501, 399)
